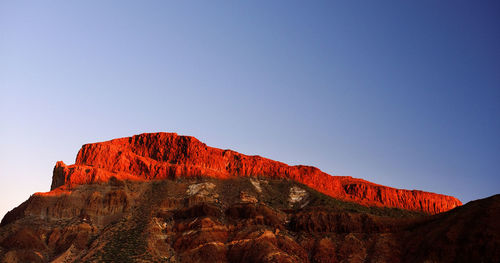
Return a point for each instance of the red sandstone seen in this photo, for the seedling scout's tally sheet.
(156, 156)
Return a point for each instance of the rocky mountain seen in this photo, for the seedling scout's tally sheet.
(168, 155)
(168, 198)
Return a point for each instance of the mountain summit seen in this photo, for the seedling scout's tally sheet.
(155, 156)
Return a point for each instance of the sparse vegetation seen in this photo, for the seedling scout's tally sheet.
(126, 237)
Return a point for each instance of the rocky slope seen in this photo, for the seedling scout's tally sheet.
(167, 155)
(237, 220)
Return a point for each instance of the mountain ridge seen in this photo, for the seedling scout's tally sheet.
(156, 156)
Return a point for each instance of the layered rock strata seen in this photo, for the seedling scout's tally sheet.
(155, 156)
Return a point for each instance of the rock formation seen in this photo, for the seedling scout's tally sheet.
(232, 220)
(167, 155)
(221, 206)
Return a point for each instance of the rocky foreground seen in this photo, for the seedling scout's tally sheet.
(168, 198)
(238, 220)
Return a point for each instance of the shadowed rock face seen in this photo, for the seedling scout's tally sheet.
(167, 155)
(237, 220)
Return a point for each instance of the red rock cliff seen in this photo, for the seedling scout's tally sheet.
(168, 155)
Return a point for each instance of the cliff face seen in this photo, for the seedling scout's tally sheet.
(167, 155)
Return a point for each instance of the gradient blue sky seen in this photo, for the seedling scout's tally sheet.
(401, 93)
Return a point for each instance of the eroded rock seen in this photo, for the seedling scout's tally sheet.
(156, 156)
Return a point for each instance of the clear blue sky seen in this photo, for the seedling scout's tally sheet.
(401, 93)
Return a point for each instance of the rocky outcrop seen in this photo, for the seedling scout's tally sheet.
(469, 233)
(168, 155)
(215, 220)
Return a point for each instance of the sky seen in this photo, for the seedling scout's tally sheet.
(400, 93)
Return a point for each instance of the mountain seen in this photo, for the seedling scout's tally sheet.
(157, 156)
(168, 198)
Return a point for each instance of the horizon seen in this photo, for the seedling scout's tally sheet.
(404, 95)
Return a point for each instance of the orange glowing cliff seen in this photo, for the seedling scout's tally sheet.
(155, 156)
